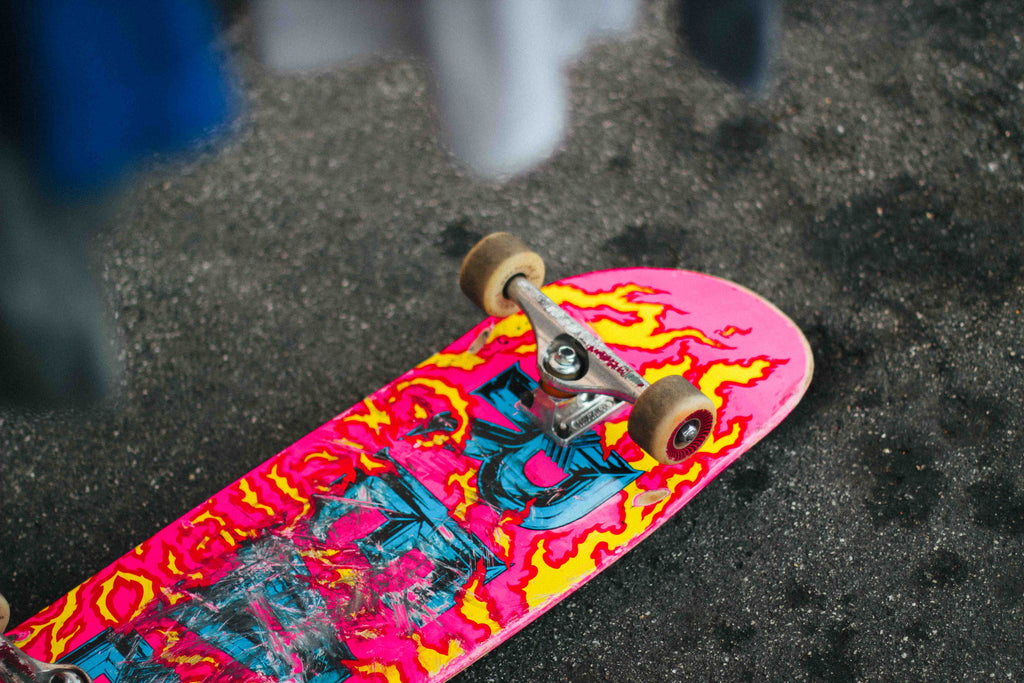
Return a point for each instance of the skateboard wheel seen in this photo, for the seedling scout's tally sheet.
(489, 266)
(5, 613)
(671, 420)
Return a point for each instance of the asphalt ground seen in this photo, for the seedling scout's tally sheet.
(875, 196)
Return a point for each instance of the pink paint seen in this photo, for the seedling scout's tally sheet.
(740, 349)
(541, 471)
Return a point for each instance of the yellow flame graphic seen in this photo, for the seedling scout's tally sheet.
(167, 654)
(283, 486)
(465, 483)
(251, 498)
(640, 330)
(473, 608)
(721, 374)
(390, 672)
(654, 373)
(56, 645)
(432, 659)
(511, 327)
(459, 361)
(114, 589)
(172, 561)
(712, 385)
(223, 527)
(553, 576)
(453, 397)
(374, 418)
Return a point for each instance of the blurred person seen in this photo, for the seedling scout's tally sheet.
(92, 89)
(97, 87)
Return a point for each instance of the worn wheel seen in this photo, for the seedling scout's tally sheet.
(489, 266)
(5, 613)
(671, 420)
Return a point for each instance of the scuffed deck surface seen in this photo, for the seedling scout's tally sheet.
(424, 526)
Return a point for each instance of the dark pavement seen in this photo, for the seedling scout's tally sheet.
(876, 196)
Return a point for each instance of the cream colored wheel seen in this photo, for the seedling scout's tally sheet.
(489, 266)
(671, 420)
(5, 613)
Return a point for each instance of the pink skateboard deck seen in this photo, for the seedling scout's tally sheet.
(419, 529)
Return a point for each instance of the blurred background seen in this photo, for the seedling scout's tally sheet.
(870, 185)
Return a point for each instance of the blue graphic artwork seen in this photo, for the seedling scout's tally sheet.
(267, 613)
(589, 479)
(264, 615)
(108, 653)
(244, 613)
(415, 519)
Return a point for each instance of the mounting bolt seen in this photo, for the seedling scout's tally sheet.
(563, 361)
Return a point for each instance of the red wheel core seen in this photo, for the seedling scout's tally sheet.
(690, 435)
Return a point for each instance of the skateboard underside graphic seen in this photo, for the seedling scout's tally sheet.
(416, 531)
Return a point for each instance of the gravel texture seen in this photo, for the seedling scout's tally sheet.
(876, 196)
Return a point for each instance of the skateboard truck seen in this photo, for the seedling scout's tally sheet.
(18, 667)
(582, 381)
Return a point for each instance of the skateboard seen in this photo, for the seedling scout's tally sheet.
(419, 529)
